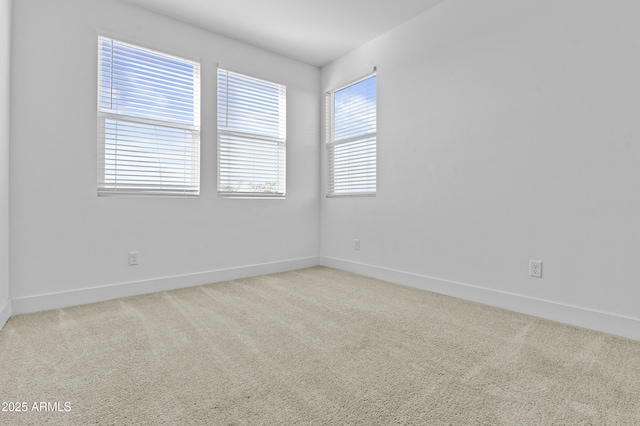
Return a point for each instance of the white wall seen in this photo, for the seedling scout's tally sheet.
(508, 131)
(65, 240)
(5, 56)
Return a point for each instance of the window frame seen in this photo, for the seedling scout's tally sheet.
(331, 143)
(251, 140)
(187, 137)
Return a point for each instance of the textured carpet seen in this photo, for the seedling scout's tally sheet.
(315, 346)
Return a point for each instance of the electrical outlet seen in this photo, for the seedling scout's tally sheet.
(535, 268)
(356, 244)
(133, 258)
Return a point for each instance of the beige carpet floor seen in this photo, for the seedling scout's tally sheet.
(314, 346)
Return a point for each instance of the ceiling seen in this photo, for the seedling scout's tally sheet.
(311, 31)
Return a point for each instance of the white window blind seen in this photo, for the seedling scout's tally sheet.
(148, 120)
(251, 136)
(351, 139)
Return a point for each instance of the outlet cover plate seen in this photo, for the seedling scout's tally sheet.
(535, 268)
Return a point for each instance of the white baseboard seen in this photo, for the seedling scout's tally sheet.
(5, 313)
(44, 302)
(581, 317)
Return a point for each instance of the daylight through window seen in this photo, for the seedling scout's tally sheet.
(149, 121)
(351, 139)
(251, 136)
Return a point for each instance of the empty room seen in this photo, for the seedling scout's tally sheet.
(290, 212)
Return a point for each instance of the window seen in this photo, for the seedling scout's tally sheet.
(251, 136)
(148, 120)
(351, 139)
